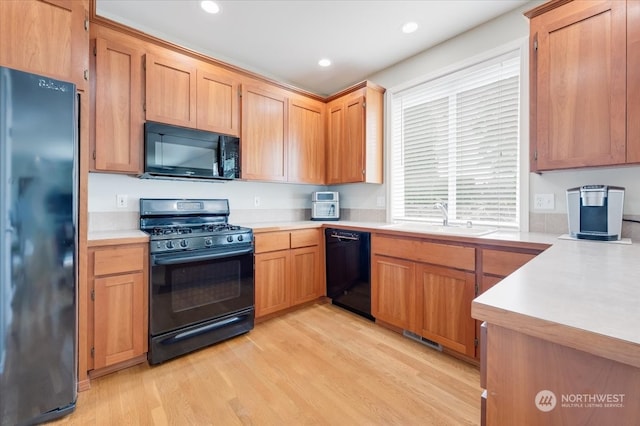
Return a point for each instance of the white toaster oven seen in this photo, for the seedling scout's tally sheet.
(325, 205)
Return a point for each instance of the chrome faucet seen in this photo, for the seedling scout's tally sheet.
(445, 213)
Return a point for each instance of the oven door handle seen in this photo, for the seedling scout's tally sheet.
(175, 259)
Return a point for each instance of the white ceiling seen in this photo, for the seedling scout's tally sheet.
(284, 40)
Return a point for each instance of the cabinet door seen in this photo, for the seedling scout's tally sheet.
(170, 90)
(272, 277)
(217, 103)
(393, 291)
(119, 115)
(264, 135)
(119, 331)
(444, 298)
(306, 142)
(46, 37)
(581, 85)
(335, 138)
(351, 151)
(503, 263)
(633, 82)
(306, 275)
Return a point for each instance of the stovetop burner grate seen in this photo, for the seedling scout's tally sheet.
(178, 225)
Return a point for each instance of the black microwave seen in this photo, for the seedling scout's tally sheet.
(179, 152)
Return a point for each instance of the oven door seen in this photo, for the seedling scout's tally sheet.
(192, 287)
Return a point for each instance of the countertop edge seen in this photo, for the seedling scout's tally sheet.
(107, 238)
(584, 340)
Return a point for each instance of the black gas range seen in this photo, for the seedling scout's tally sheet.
(178, 225)
(201, 275)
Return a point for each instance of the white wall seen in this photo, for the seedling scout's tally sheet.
(558, 182)
(498, 32)
(493, 34)
(103, 189)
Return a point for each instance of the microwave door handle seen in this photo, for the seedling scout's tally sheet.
(220, 159)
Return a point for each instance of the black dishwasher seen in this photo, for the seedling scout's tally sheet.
(348, 260)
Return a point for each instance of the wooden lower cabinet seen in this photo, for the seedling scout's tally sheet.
(587, 389)
(497, 264)
(272, 278)
(306, 274)
(118, 313)
(426, 286)
(444, 307)
(393, 291)
(416, 287)
(288, 269)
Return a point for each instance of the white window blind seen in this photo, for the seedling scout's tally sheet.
(455, 139)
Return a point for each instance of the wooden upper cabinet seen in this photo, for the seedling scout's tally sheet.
(633, 82)
(306, 152)
(335, 136)
(264, 134)
(578, 76)
(218, 108)
(170, 90)
(119, 116)
(351, 152)
(46, 37)
(354, 136)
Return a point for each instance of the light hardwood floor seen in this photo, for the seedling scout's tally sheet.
(318, 366)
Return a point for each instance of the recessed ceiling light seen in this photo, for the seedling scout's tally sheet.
(409, 27)
(324, 62)
(210, 6)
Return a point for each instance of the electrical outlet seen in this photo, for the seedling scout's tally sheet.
(121, 201)
(544, 202)
(256, 201)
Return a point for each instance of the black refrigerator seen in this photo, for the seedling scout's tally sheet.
(38, 274)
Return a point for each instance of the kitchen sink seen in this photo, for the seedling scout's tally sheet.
(429, 228)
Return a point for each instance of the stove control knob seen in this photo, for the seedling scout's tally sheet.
(230, 238)
(208, 242)
(240, 238)
(184, 243)
(169, 244)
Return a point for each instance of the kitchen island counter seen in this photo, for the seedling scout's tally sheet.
(580, 294)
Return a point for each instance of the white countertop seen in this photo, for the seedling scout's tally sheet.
(582, 294)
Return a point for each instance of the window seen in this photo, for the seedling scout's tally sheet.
(455, 140)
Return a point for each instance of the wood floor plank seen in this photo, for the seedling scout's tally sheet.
(319, 365)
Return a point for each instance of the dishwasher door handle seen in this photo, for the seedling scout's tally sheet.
(343, 237)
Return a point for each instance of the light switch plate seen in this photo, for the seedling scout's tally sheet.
(544, 202)
(121, 201)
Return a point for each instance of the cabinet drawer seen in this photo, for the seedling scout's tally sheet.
(428, 252)
(118, 259)
(502, 263)
(272, 241)
(304, 238)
